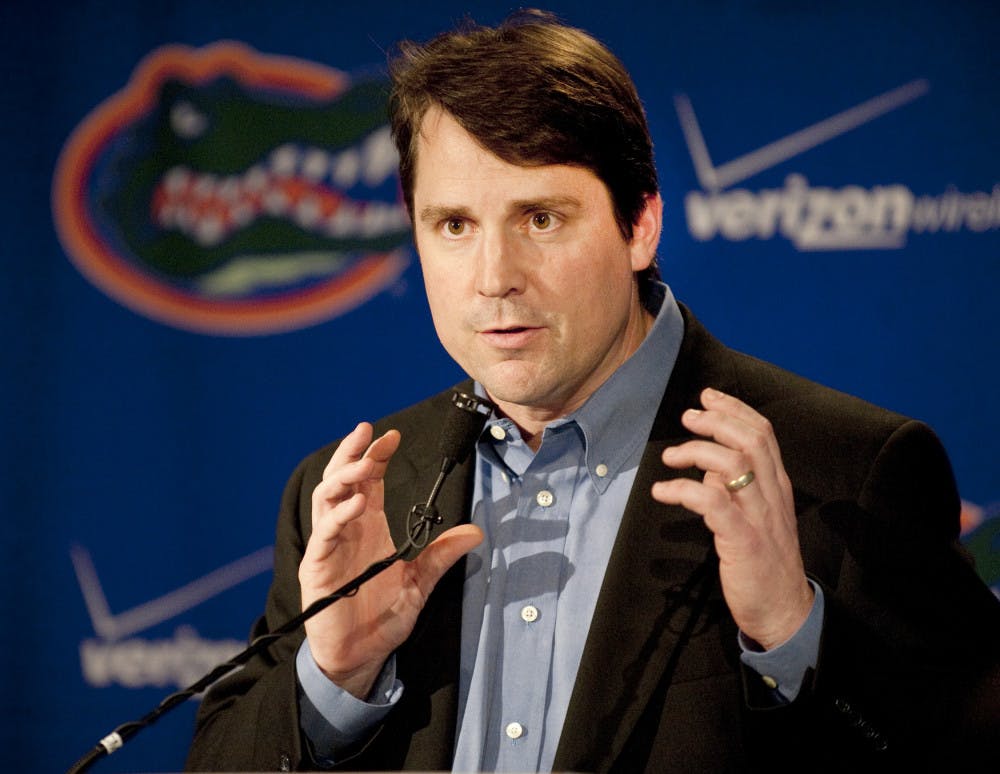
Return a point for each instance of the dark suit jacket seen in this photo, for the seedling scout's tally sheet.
(911, 640)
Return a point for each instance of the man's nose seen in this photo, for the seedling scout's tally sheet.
(499, 268)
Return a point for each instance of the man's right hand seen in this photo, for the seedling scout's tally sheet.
(352, 638)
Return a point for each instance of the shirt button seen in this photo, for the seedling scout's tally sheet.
(529, 613)
(769, 681)
(498, 432)
(544, 498)
(601, 470)
(514, 730)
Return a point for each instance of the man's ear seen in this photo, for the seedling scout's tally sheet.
(646, 233)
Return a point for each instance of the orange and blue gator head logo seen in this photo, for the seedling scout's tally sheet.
(227, 192)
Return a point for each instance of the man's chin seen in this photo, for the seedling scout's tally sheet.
(535, 395)
(515, 383)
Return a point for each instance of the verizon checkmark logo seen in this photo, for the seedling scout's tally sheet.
(117, 656)
(819, 217)
(717, 178)
(170, 605)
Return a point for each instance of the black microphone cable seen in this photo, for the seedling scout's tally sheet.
(457, 440)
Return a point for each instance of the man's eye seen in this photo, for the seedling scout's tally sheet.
(541, 220)
(455, 226)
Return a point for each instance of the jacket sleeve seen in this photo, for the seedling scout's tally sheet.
(249, 721)
(910, 653)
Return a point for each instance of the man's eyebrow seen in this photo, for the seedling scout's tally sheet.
(547, 203)
(434, 213)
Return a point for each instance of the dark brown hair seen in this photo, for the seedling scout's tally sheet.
(532, 91)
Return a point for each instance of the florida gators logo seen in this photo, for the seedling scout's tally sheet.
(228, 192)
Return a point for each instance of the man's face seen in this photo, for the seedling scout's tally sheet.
(529, 280)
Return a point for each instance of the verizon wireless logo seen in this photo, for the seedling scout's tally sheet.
(118, 656)
(818, 217)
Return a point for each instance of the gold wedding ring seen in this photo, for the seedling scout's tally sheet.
(738, 483)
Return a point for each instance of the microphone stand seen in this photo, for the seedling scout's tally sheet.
(457, 443)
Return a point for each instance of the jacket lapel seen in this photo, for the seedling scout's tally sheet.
(428, 664)
(656, 569)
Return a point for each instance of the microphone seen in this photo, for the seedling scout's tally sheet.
(464, 427)
(458, 437)
(457, 440)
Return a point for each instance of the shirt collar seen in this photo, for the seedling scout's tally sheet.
(617, 418)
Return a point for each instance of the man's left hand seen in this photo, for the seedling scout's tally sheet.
(756, 534)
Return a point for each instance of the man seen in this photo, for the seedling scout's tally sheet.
(679, 558)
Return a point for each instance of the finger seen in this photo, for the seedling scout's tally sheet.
(383, 447)
(358, 445)
(353, 467)
(708, 456)
(717, 400)
(435, 560)
(741, 415)
(351, 448)
(329, 528)
(720, 464)
(332, 522)
(717, 509)
(729, 430)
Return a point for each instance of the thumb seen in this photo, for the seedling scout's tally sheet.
(435, 560)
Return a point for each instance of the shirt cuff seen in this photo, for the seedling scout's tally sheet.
(334, 720)
(784, 667)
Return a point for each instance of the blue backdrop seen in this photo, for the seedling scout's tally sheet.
(206, 276)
